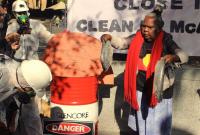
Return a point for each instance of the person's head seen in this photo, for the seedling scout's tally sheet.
(152, 24)
(20, 8)
(33, 75)
(3, 13)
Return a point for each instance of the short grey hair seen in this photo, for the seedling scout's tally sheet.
(156, 13)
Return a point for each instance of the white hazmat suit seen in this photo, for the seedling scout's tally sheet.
(29, 120)
(29, 43)
(15, 75)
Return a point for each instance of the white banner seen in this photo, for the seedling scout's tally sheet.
(123, 17)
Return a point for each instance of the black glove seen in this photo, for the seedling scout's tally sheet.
(25, 97)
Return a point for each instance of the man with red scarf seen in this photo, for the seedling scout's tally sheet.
(150, 43)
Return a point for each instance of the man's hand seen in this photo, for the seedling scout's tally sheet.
(169, 58)
(45, 109)
(106, 37)
(12, 37)
(13, 40)
(15, 45)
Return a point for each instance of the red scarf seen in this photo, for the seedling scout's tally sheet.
(131, 69)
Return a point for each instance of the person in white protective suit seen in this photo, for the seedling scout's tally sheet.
(20, 81)
(32, 32)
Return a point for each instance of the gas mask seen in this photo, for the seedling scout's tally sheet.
(25, 97)
(23, 21)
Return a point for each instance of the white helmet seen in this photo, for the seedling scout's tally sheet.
(37, 74)
(19, 6)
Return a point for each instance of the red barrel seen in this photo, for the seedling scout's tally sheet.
(74, 90)
(74, 59)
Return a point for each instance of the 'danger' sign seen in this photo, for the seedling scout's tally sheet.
(123, 17)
